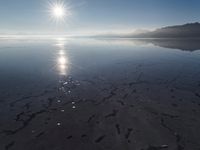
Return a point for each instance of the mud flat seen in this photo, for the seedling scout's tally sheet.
(98, 95)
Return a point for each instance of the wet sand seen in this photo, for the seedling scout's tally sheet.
(126, 97)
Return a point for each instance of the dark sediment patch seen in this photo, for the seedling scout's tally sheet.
(69, 137)
(118, 128)
(113, 114)
(11, 144)
(99, 139)
(128, 133)
(40, 134)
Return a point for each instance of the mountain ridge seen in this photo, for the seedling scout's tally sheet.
(189, 30)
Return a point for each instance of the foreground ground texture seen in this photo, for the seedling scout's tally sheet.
(125, 102)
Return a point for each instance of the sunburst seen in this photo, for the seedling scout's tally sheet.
(59, 10)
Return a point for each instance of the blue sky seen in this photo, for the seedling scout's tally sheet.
(91, 16)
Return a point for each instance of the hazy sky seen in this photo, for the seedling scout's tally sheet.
(90, 16)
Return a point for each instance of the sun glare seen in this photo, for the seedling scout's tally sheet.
(59, 10)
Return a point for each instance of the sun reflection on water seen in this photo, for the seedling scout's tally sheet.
(62, 59)
(61, 52)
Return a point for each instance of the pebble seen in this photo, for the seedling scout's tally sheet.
(33, 131)
(58, 124)
(65, 83)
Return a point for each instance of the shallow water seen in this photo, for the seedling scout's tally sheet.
(99, 94)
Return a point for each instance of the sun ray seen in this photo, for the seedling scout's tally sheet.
(59, 11)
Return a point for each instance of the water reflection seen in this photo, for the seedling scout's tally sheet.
(187, 44)
(62, 59)
(181, 44)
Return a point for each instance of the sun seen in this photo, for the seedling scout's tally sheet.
(59, 10)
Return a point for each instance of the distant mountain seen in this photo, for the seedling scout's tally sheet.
(191, 30)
